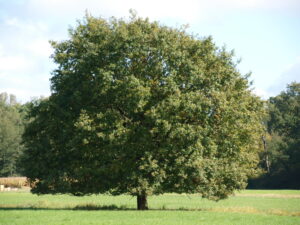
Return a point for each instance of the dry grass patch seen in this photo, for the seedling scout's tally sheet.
(252, 210)
(269, 195)
(13, 182)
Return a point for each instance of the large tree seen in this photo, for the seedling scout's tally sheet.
(142, 109)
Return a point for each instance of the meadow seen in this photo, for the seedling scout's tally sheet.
(281, 207)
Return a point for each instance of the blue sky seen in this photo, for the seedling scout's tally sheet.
(265, 34)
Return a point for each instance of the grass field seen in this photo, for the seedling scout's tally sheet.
(247, 207)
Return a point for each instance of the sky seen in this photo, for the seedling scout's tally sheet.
(265, 35)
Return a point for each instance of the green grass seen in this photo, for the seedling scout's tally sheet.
(248, 207)
(53, 217)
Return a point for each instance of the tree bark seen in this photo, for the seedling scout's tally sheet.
(142, 203)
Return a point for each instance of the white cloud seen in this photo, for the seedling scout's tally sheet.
(40, 47)
(290, 74)
(1, 50)
(263, 4)
(188, 10)
(27, 26)
(14, 63)
(261, 93)
(12, 22)
(292, 65)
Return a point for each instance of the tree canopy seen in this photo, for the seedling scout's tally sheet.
(141, 108)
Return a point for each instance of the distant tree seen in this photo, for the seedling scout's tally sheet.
(285, 122)
(11, 128)
(12, 99)
(285, 112)
(3, 97)
(142, 109)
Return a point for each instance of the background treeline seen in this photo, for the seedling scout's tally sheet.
(12, 116)
(279, 158)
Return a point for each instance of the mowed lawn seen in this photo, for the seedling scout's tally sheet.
(253, 207)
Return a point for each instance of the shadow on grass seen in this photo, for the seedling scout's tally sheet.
(101, 207)
(88, 207)
(92, 207)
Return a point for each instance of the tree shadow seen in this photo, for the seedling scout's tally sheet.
(87, 207)
(102, 207)
(93, 207)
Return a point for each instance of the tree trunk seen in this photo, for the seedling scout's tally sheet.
(142, 203)
(266, 154)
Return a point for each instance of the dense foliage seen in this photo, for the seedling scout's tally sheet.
(283, 143)
(11, 129)
(142, 109)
